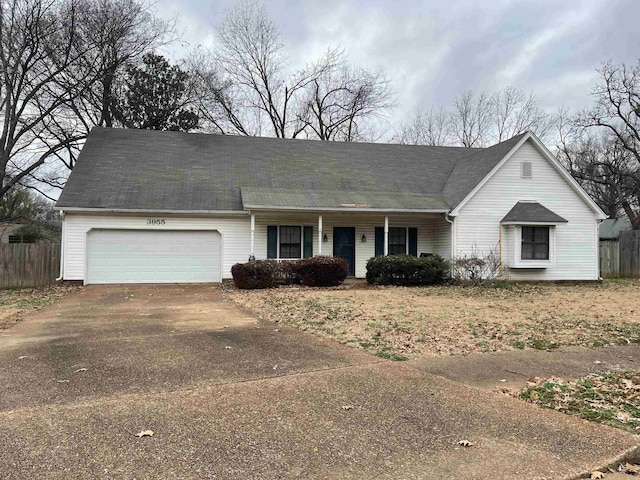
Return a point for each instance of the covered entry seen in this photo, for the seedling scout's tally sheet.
(153, 256)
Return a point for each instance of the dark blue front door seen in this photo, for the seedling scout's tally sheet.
(344, 245)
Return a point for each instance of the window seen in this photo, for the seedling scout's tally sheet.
(397, 241)
(15, 238)
(526, 170)
(535, 243)
(290, 242)
(402, 240)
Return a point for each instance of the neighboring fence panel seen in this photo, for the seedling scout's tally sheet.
(29, 264)
(630, 253)
(609, 258)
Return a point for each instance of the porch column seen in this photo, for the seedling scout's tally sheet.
(386, 236)
(252, 255)
(319, 234)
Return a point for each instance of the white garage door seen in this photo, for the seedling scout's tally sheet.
(153, 256)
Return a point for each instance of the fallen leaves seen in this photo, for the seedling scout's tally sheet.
(596, 475)
(465, 443)
(80, 370)
(145, 433)
(608, 398)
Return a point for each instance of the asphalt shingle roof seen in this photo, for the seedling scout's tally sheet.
(152, 170)
(532, 212)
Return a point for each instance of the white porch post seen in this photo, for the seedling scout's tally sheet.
(319, 234)
(386, 236)
(252, 256)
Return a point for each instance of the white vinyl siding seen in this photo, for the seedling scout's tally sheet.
(479, 228)
(152, 256)
(365, 225)
(234, 233)
(433, 234)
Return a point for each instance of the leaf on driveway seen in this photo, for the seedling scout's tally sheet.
(62, 381)
(227, 347)
(596, 475)
(145, 433)
(23, 357)
(81, 370)
(465, 443)
(347, 407)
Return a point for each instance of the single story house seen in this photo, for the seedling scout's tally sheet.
(147, 206)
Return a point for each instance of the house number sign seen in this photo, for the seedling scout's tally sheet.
(156, 221)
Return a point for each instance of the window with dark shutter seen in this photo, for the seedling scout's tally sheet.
(290, 242)
(308, 242)
(397, 241)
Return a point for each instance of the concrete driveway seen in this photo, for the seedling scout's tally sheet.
(228, 396)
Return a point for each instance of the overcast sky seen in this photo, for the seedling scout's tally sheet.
(434, 50)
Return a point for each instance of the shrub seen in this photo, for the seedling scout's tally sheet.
(479, 268)
(406, 270)
(322, 271)
(256, 274)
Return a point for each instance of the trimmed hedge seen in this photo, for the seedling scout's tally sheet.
(256, 274)
(317, 271)
(406, 270)
(322, 271)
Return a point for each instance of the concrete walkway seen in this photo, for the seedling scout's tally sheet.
(277, 404)
(487, 370)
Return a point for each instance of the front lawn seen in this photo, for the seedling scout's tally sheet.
(401, 323)
(15, 304)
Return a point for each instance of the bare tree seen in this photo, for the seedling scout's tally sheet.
(248, 88)
(471, 118)
(38, 53)
(477, 120)
(617, 107)
(516, 112)
(343, 103)
(602, 166)
(432, 127)
(111, 34)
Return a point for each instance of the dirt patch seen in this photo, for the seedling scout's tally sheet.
(15, 304)
(401, 323)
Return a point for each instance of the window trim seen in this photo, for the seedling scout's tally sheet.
(515, 236)
(301, 227)
(534, 243)
(406, 241)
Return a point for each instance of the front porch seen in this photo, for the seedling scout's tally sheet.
(355, 236)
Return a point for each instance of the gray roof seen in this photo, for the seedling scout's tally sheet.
(255, 198)
(152, 170)
(533, 212)
(610, 228)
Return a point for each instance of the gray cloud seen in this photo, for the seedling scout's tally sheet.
(434, 50)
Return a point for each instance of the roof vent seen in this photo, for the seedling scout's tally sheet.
(526, 170)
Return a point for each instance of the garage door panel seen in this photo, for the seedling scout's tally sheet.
(153, 256)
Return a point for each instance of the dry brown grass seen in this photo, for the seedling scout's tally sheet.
(15, 304)
(403, 323)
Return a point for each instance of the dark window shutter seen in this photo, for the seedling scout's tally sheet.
(413, 242)
(308, 242)
(379, 241)
(272, 241)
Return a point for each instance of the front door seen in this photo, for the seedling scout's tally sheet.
(344, 245)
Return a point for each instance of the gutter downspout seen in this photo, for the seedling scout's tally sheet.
(452, 221)
(64, 229)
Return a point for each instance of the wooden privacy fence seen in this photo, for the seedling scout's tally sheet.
(609, 258)
(630, 253)
(29, 264)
